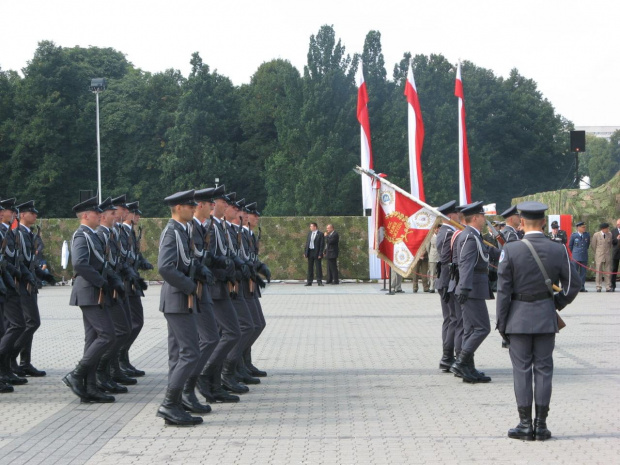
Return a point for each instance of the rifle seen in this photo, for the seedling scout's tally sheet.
(496, 234)
(232, 285)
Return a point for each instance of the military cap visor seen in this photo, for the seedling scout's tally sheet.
(219, 192)
(581, 223)
(240, 204)
(604, 225)
(510, 212)
(27, 207)
(473, 208)
(231, 197)
(107, 205)
(8, 204)
(448, 208)
(249, 207)
(120, 201)
(204, 195)
(532, 210)
(87, 205)
(133, 206)
(181, 198)
(554, 225)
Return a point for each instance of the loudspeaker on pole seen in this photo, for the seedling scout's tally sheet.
(577, 141)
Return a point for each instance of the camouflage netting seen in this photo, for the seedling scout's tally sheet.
(282, 244)
(594, 206)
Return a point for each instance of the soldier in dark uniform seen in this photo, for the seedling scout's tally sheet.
(444, 237)
(13, 314)
(488, 236)
(178, 304)
(139, 285)
(89, 293)
(557, 234)
(472, 290)
(579, 244)
(526, 316)
(262, 272)
(233, 381)
(28, 292)
(510, 232)
(210, 379)
(110, 377)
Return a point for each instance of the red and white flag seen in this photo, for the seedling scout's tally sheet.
(403, 223)
(464, 175)
(366, 148)
(416, 137)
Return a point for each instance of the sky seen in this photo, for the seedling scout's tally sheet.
(570, 48)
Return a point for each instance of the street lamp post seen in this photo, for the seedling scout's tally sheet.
(98, 85)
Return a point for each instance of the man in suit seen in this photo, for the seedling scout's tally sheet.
(578, 244)
(615, 259)
(526, 316)
(178, 302)
(89, 293)
(314, 253)
(331, 253)
(602, 246)
(472, 290)
(510, 231)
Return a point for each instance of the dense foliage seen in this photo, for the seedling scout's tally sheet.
(287, 140)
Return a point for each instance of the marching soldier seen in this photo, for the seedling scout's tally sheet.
(526, 315)
(444, 237)
(110, 377)
(262, 272)
(178, 304)
(236, 382)
(472, 290)
(210, 379)
(28, 291)
(13, 314)
(453, 280)
(509, 232)
(89, 293)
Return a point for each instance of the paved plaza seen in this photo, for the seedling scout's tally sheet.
(353, 379)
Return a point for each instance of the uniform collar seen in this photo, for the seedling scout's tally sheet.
(180, 224)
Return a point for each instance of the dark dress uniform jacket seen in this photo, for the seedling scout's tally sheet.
(87, 257)
(11, 255)
(218, 246)
(444, 236)
(331, 245)
(473, 266)
(518, 273)
(174, 263)
(198, 236)
(510, 234)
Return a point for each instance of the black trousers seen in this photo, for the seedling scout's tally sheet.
(614, 268)
(257, 318)
(14, 323)
(30, 308)
(246, 328)
(332, 270)
(228, 324)
(208, 332)
(122, 326)
(137, 318)
(314, 262)
(98, 334)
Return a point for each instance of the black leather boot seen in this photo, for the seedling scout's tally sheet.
(5, 388)
(93, 394)
(119, 375)
(456, 357)
(26, 367)
(523, 430)
(76, 380)
(105, 381)
(14, 366)
(126, 365)
(482, 378)
(229, 380)
(243, 374)
(473, 364)
(462, 367)
(189, 400)
(447, 360)
(215, 383)
(6, 374)
(247, 355)
(203, 383)
(172, 411)
(541, 433)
